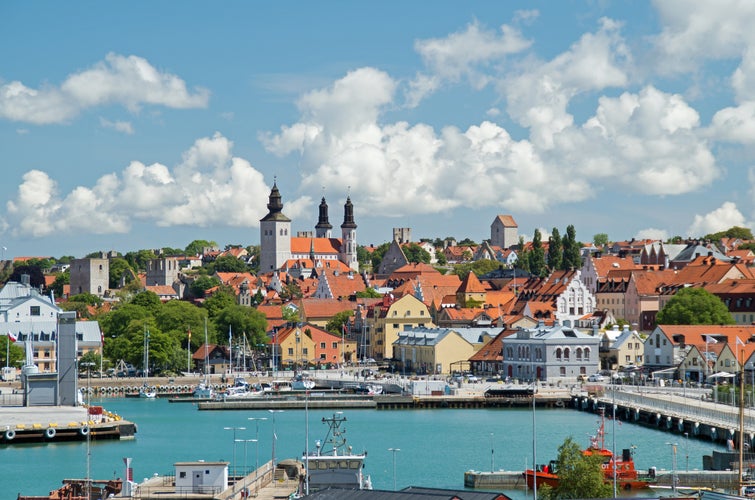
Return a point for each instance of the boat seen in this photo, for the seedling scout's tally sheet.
(204, 389)
(333, 464)
(76, 489)
(369, 389)
(241, 390)
(146, 391)
(302, 382)
(627, 476)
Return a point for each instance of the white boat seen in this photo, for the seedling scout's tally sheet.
(146, 391)
(204, 389)
(333, 464)
(279, 386)
(302, 382)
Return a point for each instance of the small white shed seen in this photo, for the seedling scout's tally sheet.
(201, 477)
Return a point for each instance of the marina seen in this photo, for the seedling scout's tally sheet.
(480, 440)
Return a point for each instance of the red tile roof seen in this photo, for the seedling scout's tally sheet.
(322, 245)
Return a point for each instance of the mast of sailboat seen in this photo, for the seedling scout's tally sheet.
(230, 351)
(206, 354)
(534, 445)
(741, 414)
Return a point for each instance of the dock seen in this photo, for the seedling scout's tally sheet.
(60, 423)
(663, 478)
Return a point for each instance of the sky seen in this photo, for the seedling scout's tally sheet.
(134, 125)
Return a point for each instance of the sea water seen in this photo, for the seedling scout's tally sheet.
(436, 446)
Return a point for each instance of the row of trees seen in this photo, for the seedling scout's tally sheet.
(563, 253)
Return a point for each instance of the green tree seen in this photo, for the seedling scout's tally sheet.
(537, 256)
(335, 325)
(479, 267)
(36, 278)
(694, 306)
(441, 258)
(290, 314)
(555, 251)
(222, 298)
(291, 291)
(177, 317)
(91, 360)
(118, 267)
(522, 257)
(228, 264)
(743, 233)
(196, 246)
(363, 256)
(368, 293)
(61, 280)
(118, 321)
(466, 242)
(579, 475)
(15, 352)
(378, 253)
(242, 321)
(572, 253)
(81, 308)
(147, 299)
(600, 240)
(415, 253)
(138, 260)
(200, 285)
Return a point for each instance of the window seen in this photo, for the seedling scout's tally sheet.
(322, 345)
(562, 371)
(558, 353)
(395, 325)
(290, 351)
(566, 354)
(34, 311)
(587, 354)
(304, 351)
(335, 345)
(182, 474)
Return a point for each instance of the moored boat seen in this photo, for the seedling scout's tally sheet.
(81, 489)
(627, 476)
(333, 464)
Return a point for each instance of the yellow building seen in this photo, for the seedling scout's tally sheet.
(438, 350)
(386, 319)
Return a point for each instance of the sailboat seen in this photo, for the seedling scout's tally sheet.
(204, 389)
(146, 391)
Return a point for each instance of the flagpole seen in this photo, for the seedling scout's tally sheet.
(230, 350)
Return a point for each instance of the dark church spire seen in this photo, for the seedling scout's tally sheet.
(323, 222)
(348, 215)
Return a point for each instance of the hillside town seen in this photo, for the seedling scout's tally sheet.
(318, 299)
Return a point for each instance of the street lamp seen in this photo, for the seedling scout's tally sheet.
(686, 450)
(257, 449)
(245, 469)
(492, 454)
(673, 466)
(275, 436)
(234, 429)
(394, 450)
(88, 366)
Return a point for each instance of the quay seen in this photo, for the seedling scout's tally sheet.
(663, 478)
(60, 423)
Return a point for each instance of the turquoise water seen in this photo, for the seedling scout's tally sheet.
(437, 446)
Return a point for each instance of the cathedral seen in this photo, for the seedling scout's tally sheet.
(278, 247)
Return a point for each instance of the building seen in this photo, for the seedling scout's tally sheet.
(389, 317)
(277, 245)
(163, 271)
(91, 275)
(550, 353)
(503, 232)
(621, 349)
(437, 350)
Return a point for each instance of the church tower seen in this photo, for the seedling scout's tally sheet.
(323, 227)
(348, 254)
(275, 234)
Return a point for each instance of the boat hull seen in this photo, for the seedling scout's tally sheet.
(552, 480)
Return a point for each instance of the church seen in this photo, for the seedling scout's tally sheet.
(278, 247)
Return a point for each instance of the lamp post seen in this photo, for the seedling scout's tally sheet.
(275, 436)
(686, 451)
(394, 450)
(492, 454)
(257, 449)
(89, 448)
(245, 441)
(234, 429)
(673, 466)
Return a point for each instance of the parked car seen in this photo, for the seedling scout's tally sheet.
(596, 377)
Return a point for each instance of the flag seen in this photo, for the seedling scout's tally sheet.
(12, 337)
(189, 334)
(229, 335)
(710, 340)
(739, 342)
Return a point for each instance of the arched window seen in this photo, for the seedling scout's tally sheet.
(587, 354)
(579, 354)
(558, 353)
(566, 354)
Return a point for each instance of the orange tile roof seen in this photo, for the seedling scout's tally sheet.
(696, 334)
(507, 220)
(322, 245)
(162, 290)
(706, 269)
(324, 308)
(608, 263)
(471, 284)
(344, 284)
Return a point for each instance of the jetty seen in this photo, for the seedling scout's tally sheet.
(20, 424)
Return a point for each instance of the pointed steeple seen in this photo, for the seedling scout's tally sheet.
(275, 206)
(348, 215)
(323, 227)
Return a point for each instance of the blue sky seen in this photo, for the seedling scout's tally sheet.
(136, 125)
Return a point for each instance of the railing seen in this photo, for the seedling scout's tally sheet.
(711, 413)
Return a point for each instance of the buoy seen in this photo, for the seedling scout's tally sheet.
(50, 432)
(84, 430)
(10, 434)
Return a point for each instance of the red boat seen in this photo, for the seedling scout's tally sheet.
(627, 477)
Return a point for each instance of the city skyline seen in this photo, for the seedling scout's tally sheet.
(144, 125)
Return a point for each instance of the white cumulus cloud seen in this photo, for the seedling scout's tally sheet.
(129, 81)
(720, 219)
(208, 186)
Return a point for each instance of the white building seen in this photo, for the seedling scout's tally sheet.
(202, 477)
